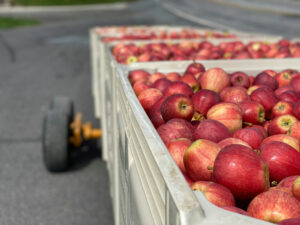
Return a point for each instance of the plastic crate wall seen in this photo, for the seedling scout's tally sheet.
(139, 145)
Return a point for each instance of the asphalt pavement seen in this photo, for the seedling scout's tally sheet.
(37, 64)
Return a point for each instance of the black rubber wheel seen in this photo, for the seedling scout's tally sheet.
(55, 141)
(63, 104)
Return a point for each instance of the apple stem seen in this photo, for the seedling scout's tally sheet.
(210, 168)
(274, 183)
(248, 124)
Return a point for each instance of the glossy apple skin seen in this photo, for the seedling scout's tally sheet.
(240, 79)
(140, 86)
(194, 68)
(281, 124)
(136, 75)
(282, 160)
(203, 100)
(293, 142)
(295, 130)
(274, 206)
(215, 193)
(293, 221)
(253, 88)
(289, 96)
(199, 159)
(228, 114)
(296, 188)
(232, 141)
(283, 78)
(234, 94)
(181, 122)
(295, 83)
(283, 89)
(179, 87)
(252, 112)
(161, 84)
(265, 96)
(265, 79)
(155, 113)
(176, 148)
(173, 76)
(215, 79)
(236, 210)
(177, 106)
(287, 182)
(190, 80)
(281, 108)
(170, 131)
(242, 171)
(211, 130)
(155, 76)
(149, 97)
(296, 110)
(252, 136)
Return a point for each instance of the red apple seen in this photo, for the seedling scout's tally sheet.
(177, 106)
(293, 142)
(199, 159)
(155, 113)
(161, 84)
(264, 96)
(281, 108)
(177, 147)
(293, 221)
(281, 124)
(155, 76)
(182, 122)
(234, 94)
(296, 110)
(188, 179)
(296, 188)
(211, 130)
(232, 141)
(272, 73)
(190, 80)
(252, 136)
(282, 160)
(287, 182)
(179, 87)
(262, 129)
(240, 79)
(267, 80)
(149, 97)
(215, 79)
(295, 130)
(289, 96)
(170, 131)
(274, 206)
(295, 83)
(252, 112)
(242, 171)
(140, 86)
(283, 89)
(194, 68)
(283, 78)
(215, 193)
(173, 76)
(136, 75)
(236, 210)
(253, 88)
(228, 114)
(203, 100)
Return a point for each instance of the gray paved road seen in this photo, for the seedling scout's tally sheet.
(240, 18)
(36, 65)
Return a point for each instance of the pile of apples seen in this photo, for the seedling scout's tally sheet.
(205, 50)
(166, 35)
(235, 137)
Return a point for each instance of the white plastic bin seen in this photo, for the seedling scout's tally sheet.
(163, 192)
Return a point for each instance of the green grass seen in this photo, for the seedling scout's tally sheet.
(63, 2)
(7, 23)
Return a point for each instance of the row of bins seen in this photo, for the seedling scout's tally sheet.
(146, 185)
